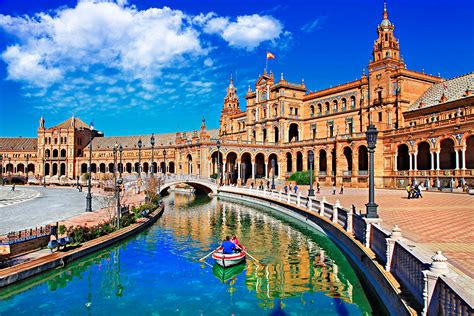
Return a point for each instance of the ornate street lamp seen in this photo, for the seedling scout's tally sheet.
(371, 135)
(218, 143)
(120, 164)
(89, 195)
(311, 162)
(164, 158)
(118, 184)
(140, 157)
(44, 172)
(26, 168)
(273, 174)
(1, 168)
(152, 142)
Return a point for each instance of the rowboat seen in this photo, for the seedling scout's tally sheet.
(228, 260)
(225, 274)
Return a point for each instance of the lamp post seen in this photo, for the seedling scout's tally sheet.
(218, 143)
(164, 158)
(120, 163)
(44, 172)
(371, 135)
(273, 174)
(311, 162)
(115, 162)
(152, 142)
(9, 169)
(118, 184)
(89, 195)
(26, 168)
(140, 157)
(1, 168)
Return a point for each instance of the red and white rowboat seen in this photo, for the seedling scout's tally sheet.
(228, 260)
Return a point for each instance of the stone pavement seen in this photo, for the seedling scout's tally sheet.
(436, 221)
(9, 197)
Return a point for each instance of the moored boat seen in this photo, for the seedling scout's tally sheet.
(228, 260)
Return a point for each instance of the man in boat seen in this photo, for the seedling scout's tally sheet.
(228, 246)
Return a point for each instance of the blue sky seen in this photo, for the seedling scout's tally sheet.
(142, 66)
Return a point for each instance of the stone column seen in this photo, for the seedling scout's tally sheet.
(415, 162)
(457, 159)
(463, 159)
(411, 162)
(279, 169)
(238, 171)
(395, 162)
(293, 163)
(437, 161)
(253, 170)
(432, 160)
(266, 170)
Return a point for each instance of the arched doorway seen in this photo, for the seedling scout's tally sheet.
(102, 168)
(128, 167)
(30, 168)
(55, 169)
(136, 167)
(348, 155)
(47, 169)
(403, 157)
(162, 167)
(323, 163)
(270, 166)
(293, 135)
(470, 152)
(145, 167)
(111, 167)
(423, 158)
(259, 166)
(62, 169)
(189, 160)
(63, 153)
(217, 163)
(93, 168)
(299, 161)
(20, 168)
(231, 168)
(447, 155)
(363, 160)
(171, 167)
(289, 162)
(83, 168)
(246, 161)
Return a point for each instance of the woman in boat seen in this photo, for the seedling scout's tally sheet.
(228, 246)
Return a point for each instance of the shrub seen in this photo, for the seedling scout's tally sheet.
(214, 176)
(301, 177)
(61, 229)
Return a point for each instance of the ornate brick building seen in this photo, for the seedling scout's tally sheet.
(425, 128)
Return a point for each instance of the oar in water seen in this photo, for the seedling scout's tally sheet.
(209, 254)
(248, 254)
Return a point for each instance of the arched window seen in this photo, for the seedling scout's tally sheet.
(353, 102)
(334, 106)
(293, 134)
(311, 110)
(343, 103)
(63, 153)
(320, 108)
(326, 107)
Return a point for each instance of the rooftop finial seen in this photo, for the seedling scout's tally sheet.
(385, 13)
(281, 77)
(231, 77)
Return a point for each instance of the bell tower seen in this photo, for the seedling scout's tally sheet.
(386, 46)
(231, 107)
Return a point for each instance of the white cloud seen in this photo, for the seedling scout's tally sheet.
(98, 33)
(208, 62)
(312, 25)
(247, 32)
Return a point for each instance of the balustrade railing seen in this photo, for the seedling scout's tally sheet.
(410, 268)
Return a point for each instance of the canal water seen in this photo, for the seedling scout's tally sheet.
(158, 273)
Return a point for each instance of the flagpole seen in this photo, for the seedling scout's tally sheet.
(266, 63)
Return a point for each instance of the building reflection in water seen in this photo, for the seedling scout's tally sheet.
(294, 262)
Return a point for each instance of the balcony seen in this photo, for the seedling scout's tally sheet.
(347, 173)
(363, 172)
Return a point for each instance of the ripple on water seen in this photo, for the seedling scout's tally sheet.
(157, 272)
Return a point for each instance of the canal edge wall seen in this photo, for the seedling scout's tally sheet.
(57, 259)
(386, 288)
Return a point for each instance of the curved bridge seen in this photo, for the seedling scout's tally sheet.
(203, 184)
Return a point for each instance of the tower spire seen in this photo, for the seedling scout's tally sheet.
(385, 12)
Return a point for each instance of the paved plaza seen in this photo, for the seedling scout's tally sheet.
(436, 221)
(29, 206)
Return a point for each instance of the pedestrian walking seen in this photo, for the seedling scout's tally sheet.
(296, 188)
(342, 189)
(13, 187)
(334, 189)
(286, 189)
(318, 187)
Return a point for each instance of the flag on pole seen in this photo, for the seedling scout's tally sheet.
(270, 55)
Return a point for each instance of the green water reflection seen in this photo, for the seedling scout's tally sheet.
(156, 272)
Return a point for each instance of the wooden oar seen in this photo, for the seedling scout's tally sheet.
(248, 254)
(209, 254)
